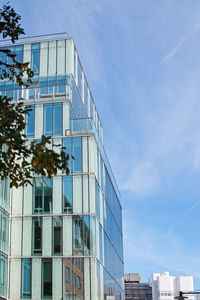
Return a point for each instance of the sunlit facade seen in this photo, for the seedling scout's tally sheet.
(65, 233)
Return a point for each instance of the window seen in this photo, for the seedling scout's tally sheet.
(78, 282)
(3, 274)
(68, 295)
(26, 278)
(35, 62)
(57, 235)
(57, 124)
(30, 120)
(42, 195)
(67, 271)
(53, 119)
(37, 235)
(77, 153)
(67, 194)
(47, 278)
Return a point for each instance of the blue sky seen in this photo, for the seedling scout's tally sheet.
(142, 62)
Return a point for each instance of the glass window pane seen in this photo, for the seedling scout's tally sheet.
(37, 235)
(77, 153)
(43, 86)
(35, 61)
(38, 195)
(57, 127)
(57, 234)
(30, 118)
(26, 278)
(48, 119)
(47, 278)
(67, 270)
(47, 185)
(67, 194)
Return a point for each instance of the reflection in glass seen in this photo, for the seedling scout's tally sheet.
(37, 235)
(57, 235)
(48, 119)
(26, 277)
(47, 278)
(57, 119)
(67, 194)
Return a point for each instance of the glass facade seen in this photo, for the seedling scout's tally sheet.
(65, 232)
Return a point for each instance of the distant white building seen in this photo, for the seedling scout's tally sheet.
(166, 287)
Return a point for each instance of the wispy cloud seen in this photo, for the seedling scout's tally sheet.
(166, 58)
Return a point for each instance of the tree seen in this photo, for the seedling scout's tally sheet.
(19, 159)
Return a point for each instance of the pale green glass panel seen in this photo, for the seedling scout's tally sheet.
(47, 236)
(27, 230)
(43, 58)
(57, 278)
(67, 235)
(15, 278)
(94, 278)
(77, 194)
(61, 57)
(85, 194)
(16, 236)
(28, 199)
(17, 197)
(101, 283)
(36, 278)
(85, 154)
(27, 55)
(92, 157)
(69, 57)
(52, 58)
(92, 193)
(86, 279)
(38, 120)
(66, 117)
(57, 195)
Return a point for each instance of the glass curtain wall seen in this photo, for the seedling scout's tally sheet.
(66, 232)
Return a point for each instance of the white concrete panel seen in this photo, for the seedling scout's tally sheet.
(94, 279)
(38, 120)
(43, 58)
(77, 194)
(16, 236)
(52, 58)
(57, 195)
(69, 56)
(86, 279)
(92, 193)
(92, 157)
(15, 278)
(85, 194)
(67, 235)
(27, 234)
(36, 278)
(57, 278)
(17, 199)
(66, 117)
(61, 57)
(47, 236)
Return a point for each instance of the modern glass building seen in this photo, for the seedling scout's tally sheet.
(61, 238)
